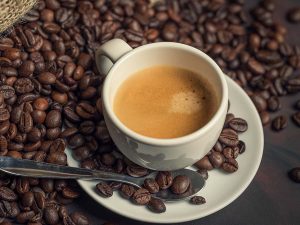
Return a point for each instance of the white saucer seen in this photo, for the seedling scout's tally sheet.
(220, 190)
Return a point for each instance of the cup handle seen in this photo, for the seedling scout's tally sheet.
(109, 53)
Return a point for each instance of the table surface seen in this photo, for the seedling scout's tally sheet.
(271, 198)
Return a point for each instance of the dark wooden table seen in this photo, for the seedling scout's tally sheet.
(271, 198)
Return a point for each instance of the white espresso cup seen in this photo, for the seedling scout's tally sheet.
(118, 61)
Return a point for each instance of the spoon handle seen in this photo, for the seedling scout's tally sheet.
(29, 168)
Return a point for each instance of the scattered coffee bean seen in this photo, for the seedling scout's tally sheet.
(127, 191)
(156, 205)
(216, 159)
(198, 200)
(228, 137)
(279, 123)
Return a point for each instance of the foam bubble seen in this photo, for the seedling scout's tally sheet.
(187, 102)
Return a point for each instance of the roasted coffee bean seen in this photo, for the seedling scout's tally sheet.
(151, 185)
(59, 158)
(47, 185)
(238, 124)
(27, 199)
(38, 116)
(218, 147)
(203, 173)
(69, 193)
(104, 189)
(53, 119)
(180, 184)
(164, 179)
(108, 159)
(156, 205)
(79, 218)
(141, 197)
(51, 215)
(4, 114)
(296, 118)
(23, 85)
(293, 15)
(76, 141)
(136, 171)
(294, 174)
(204, 163)
(22, 185)
(230, 166)
(41, 104)
(85, 110)
(228, 137)
(259, 102)
(47, 78)
(279, 123)
(216, 159)
(7, 194)
(34, 135)
(197, 200)
(242, 147)
(26, 123)
(274, 104)
(127, 191)
(230, 152)
(24, 217)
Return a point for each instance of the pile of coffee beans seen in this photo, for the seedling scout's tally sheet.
(223, 156)
(48, 77)
(37, 201)
(227, 149)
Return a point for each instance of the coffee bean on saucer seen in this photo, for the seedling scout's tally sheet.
(216, 159)
(127, 191)
(204, 163)
(279, 123)
(151, 185)
(294, 174)
(136, 171)
(296, 118)
(180, 184)
(228, 137)
(238, 124)
(230, 166)
(231, 152)
(156, 205)
(104, 189)
(242, 146)
(197, 200)
(164, 179)
(141, 197)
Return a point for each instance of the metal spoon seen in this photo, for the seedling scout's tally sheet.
(28, 168)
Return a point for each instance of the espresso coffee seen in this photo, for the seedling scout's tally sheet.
(165, 102)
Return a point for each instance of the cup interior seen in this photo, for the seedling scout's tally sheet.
(168, 54)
